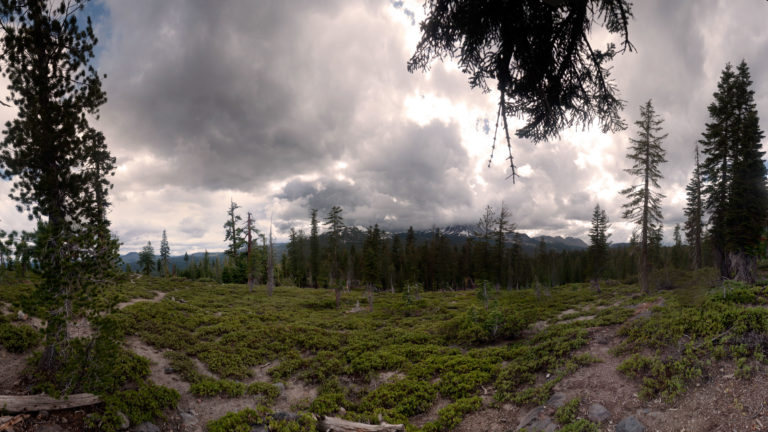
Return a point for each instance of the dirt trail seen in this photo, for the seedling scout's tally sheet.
(159, 295)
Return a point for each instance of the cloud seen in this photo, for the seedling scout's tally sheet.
(287, 106)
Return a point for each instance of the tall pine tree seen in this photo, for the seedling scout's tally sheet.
(644, 206)
(233, 232)
(694, 215)
(314, 249)
(57, 162)
(734, 174)
(165, 252)
(598, 247)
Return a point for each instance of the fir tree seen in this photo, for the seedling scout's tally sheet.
(57, 162)
(644, 206)
(734, 175)
(335, 224)
(233, 231)
(598, 247)
(165, 252)
(537, 53)
(314, 249)
(147, 258)
(504, 227)
(694, 214)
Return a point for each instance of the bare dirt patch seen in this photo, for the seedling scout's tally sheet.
(81, 328)
(492, 419)
(11, 368)
(296, 393)
(157, 366)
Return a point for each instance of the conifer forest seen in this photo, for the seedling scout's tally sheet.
(288, 216)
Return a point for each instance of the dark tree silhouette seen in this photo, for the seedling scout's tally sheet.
(539, 54)
(58, 163)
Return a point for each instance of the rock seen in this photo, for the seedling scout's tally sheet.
(630, 424)
(285, 416)
(188, 419)
(598, 413)
(4, 419)
(342, 411)
(43, 415)
(280, 386)
(557, 400)
(534, 421)
(169, 370)
(21, 316)
(124, 422)
(146, 427)
(259, 428)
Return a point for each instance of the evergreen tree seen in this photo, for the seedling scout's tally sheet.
(644, 206)
(694, 215)
(537, 53)
(335, 224)
(411, 257)
(372, 256)
(58, 163)
(734, 175)
(165, 252)
(270, 263)
(251, 255)
(147, 258)
(484, 231)
(314, 249)
(598, 247)
(504, 227)
(233, 231)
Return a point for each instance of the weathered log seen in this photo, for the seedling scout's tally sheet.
(9, 424)
(41, 402)
(334, 424)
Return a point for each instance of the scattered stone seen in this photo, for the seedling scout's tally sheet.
(630, 424)
(534, 421)
(557, 400)
(43, 415)
(285, 416)
(169, 370)
(656, 414)
(598, 413)
(259, 428)
(146, 427)
(188, 419)
(280, 386)
(124, 422)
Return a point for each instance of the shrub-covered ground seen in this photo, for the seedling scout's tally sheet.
(448, 354)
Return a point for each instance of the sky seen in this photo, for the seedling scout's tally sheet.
(283, 106)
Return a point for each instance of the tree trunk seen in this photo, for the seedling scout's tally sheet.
(334, 424)
(42, 402)
(743, 266)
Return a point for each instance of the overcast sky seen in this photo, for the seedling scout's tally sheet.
(284, 106)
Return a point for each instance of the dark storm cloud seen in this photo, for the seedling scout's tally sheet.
(237, 93)
(304, 104)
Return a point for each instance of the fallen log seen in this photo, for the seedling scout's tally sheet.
(335, 424)
(42, 402)
(9, 424)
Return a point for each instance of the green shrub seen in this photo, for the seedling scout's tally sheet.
(17, 339)
(567, 413)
